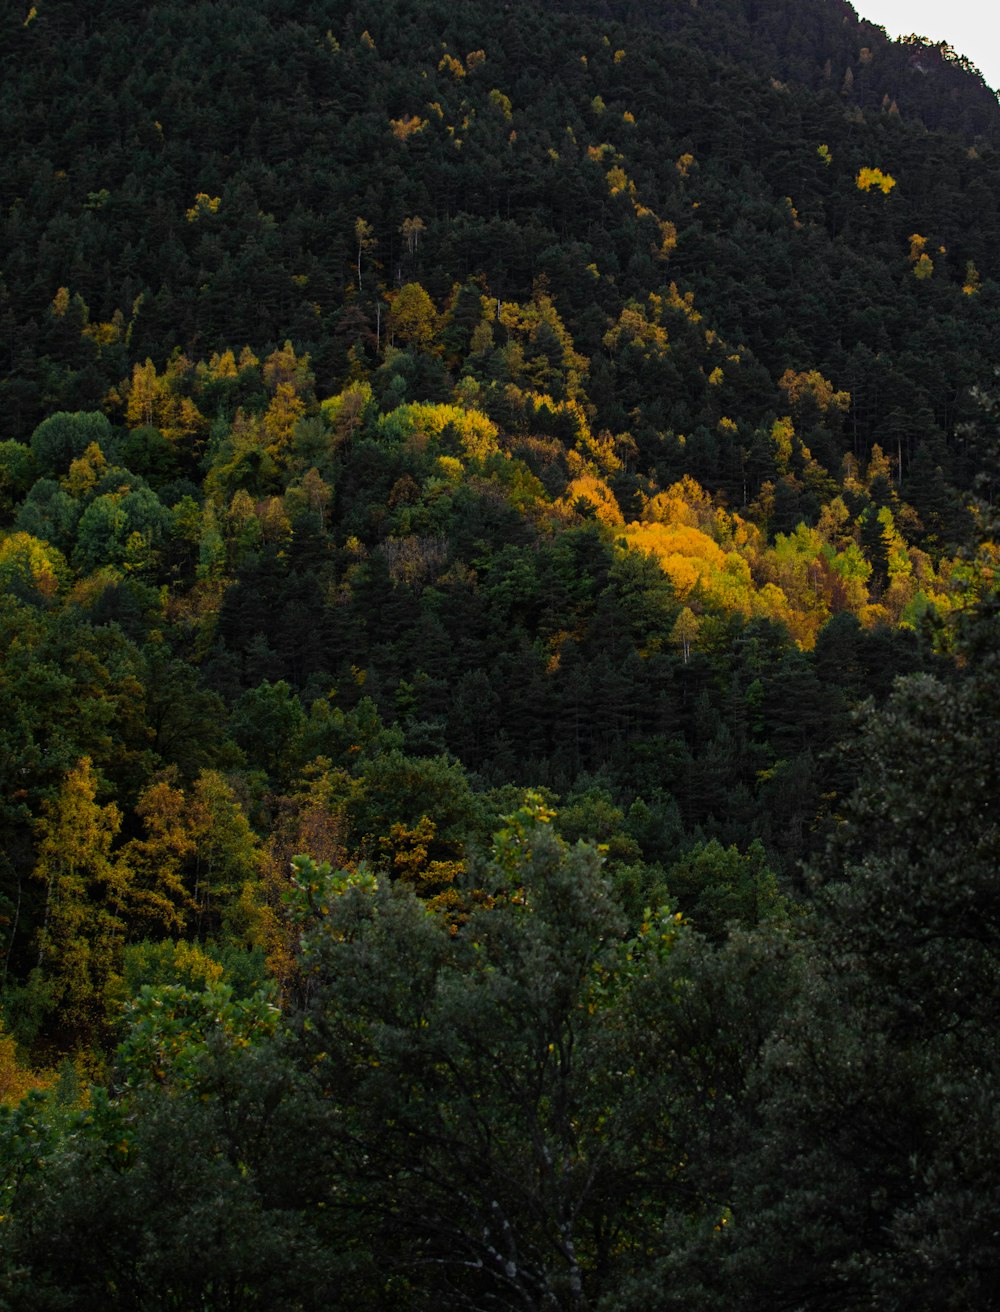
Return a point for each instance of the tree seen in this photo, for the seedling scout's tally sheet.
(879, 1099)
(175, 1192)
(413, 319)
(62, 437)
(29, 569)
(17, 473)
(509, 1120)
(83, 925)
(365, 237)
(226, 860)
(685, 631)
(125, 529)
(158, 902)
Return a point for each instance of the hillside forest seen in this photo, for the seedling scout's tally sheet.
(499, 658)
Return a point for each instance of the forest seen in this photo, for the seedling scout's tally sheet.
(499, 659)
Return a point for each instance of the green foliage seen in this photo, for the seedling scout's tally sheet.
(486, 1065)
(124, 530)
(175, 1032)
(879, 1097)
(17, 474)
(62, 437)
(716, 887)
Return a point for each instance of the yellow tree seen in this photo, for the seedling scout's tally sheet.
(869, 178)
(83, 930)
(416, 855)
(157, 900)
(364, 235)
(16, 1079)
(410, 230)
(413, 319)
(30, 568)
(685, 632)
(282, 414)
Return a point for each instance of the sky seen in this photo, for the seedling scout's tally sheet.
(971, 26)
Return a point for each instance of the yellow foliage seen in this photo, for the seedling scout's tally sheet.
(684, 502)
(281, 416)
(618, 181)
(873, 615)
(203, 205)
(85, 471)
(451, 468)
(106, 334)
(413, 319)
(15, 1079)
(27, 561)
(685, 631)
(782, 432)
(973, 281)
(868, 178)
(151, 399)
(812, 386)
(222, 366)
(588, 487)
(834, 525)
(878, 467)
(407, 126)
(600, 447)
(635, 329)
(685, 554)
(668, 238)
(450, 64)
(478, 433)
(684, 303)
(924, 268)
(474, 58)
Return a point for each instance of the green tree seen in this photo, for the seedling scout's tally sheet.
(717, 887)
(62, 437)
(175, 1193)
(124, 529)
(879, 1097)
(511, 1126)
(17, 473)
(225, 867)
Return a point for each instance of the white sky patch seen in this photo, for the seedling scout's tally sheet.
(972, 27)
